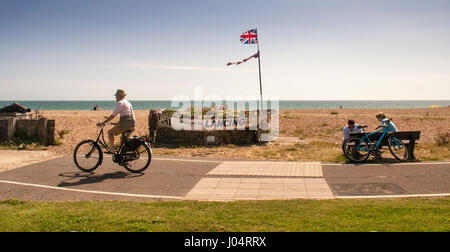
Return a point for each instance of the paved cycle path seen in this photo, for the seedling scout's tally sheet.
(180, 179)
(401, 179)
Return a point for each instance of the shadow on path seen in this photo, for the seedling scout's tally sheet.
(381, 161)
(91, 178)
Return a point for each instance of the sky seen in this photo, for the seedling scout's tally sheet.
(156, 50)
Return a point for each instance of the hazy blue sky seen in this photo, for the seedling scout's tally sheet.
(78, 50)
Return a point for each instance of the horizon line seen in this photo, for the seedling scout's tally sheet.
(239, 100)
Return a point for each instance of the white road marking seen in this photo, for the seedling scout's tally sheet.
(323, 164)
(89, 191)
(181, 198)
(188, 160)
(170, 159)
(396, 164)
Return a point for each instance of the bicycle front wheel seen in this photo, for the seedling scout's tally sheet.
(398, 149)
(356, 150)
(87, 156)
(138, 160)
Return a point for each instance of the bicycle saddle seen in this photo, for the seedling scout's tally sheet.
(127, 133)
(362, 126)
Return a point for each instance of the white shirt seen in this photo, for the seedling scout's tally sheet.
(123, 108)
(347, 131)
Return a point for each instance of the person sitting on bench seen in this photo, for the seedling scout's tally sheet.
(352, 127)
(385, 122)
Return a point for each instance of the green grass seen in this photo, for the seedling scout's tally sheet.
(339, 159)
(12, 145)
(65, 131)
(432, 152)
(22, 140)
(290, 149)
(409, 214)
(289, 116)
(300, 134)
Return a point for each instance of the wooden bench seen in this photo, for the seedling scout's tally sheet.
(408, 137)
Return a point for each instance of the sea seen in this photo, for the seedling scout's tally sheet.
(284, 104)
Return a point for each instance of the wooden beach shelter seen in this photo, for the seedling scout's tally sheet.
(15, 108)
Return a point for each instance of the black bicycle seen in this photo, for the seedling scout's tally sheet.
(134, 154)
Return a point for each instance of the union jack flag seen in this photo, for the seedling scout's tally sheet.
(249, 37)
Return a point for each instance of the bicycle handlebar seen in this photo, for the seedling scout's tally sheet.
(381, 126)
(384, 126)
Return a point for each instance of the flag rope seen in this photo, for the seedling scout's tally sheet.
(244, 60)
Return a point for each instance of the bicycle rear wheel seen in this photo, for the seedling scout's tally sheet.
(138, 160)
(87, 156)
(398, 149)
(356, 150)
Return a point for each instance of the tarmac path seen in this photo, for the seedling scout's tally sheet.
(188, 179)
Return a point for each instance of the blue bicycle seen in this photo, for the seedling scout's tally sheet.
(359, 149)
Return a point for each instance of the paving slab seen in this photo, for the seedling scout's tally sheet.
(267, 168)
(258, 189)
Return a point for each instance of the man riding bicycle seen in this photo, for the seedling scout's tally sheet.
(127, 118)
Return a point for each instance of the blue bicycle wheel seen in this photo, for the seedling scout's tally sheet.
(398, 149)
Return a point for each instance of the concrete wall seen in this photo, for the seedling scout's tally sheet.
(219, 137)
(7, 128)
(42, 130)
(167, 135)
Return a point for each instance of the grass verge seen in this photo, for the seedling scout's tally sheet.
(408, 214)
(432, 152)
(11, 145)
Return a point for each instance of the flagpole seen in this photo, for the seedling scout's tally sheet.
(260, 86)
(259, 66)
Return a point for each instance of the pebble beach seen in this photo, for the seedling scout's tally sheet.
(322, 125)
